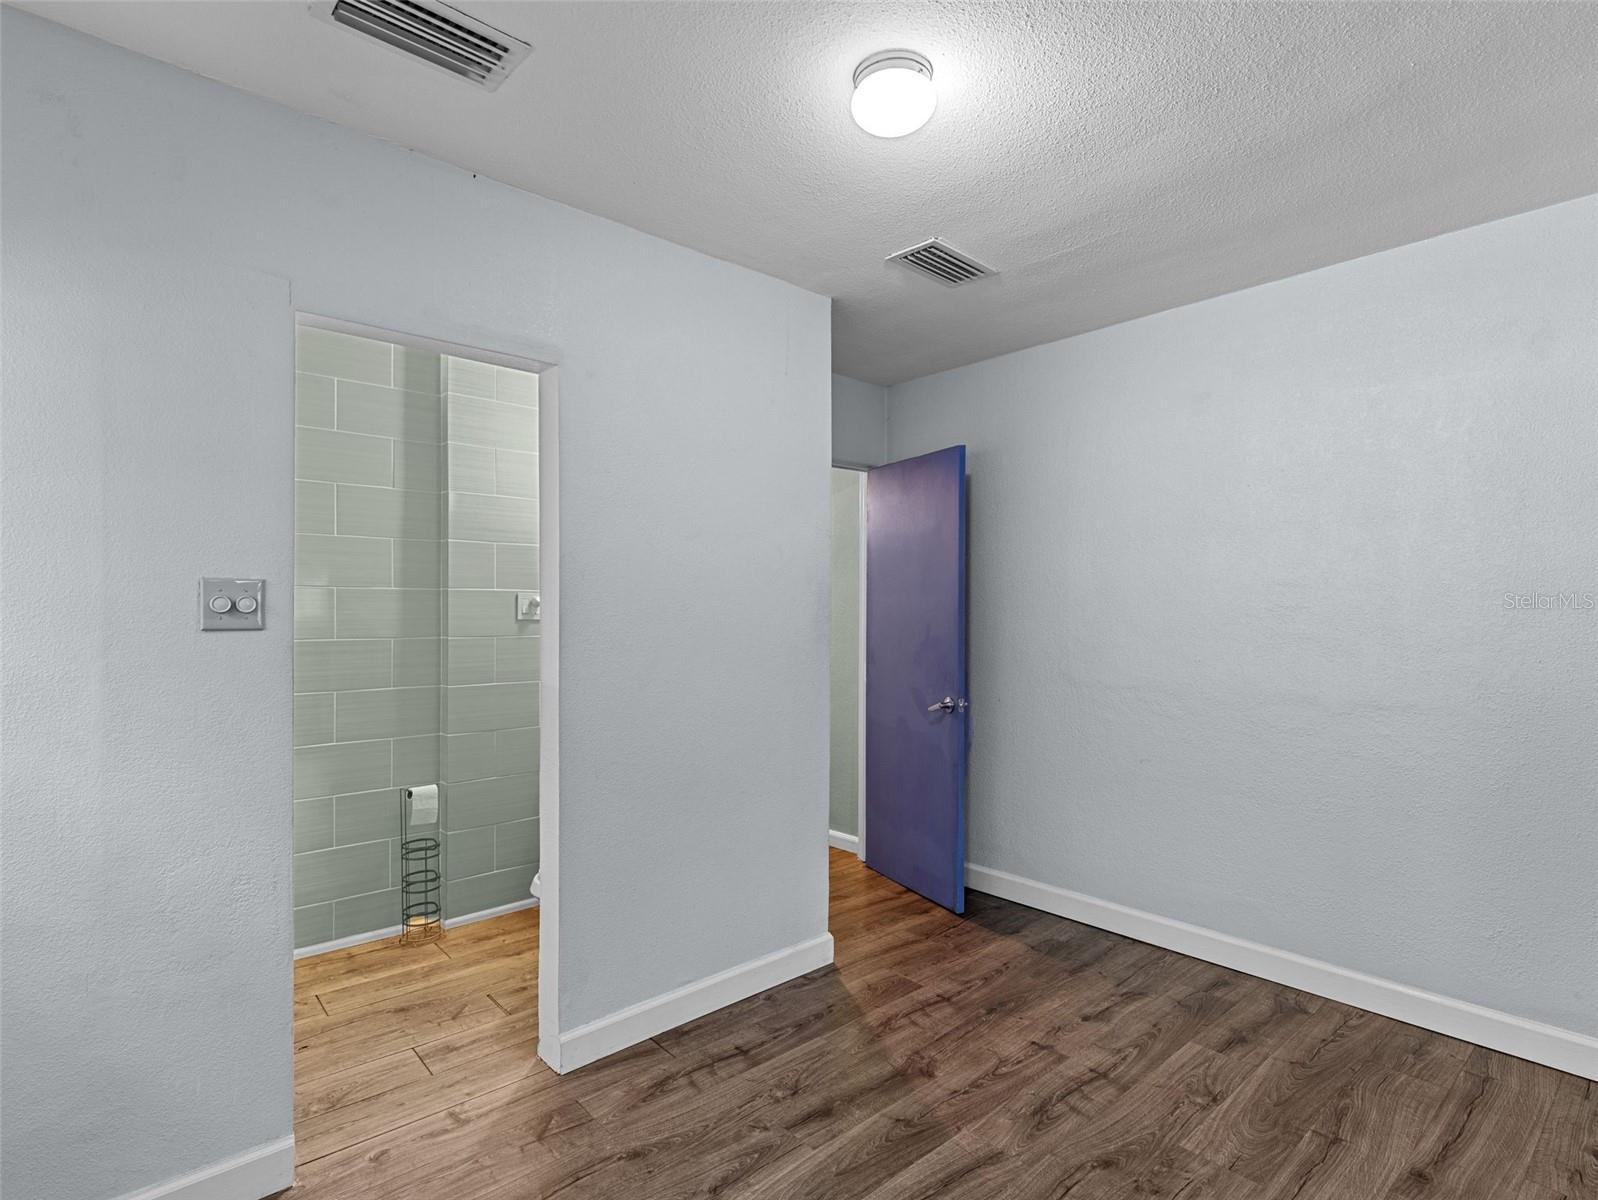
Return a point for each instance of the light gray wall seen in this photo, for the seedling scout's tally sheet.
(1240, 653)
(859, 422)
(158, 232)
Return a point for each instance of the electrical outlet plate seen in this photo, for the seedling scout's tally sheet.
(245, 609)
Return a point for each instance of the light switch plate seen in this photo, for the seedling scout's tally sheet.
(240, 594)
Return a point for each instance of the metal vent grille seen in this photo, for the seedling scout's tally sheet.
(938, 260)
(439, 35)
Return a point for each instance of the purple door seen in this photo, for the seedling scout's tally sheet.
(916, 715)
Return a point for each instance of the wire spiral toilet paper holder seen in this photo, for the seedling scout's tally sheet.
(421, 878)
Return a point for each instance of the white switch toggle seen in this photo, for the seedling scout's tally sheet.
(221, 604)
(245, 604)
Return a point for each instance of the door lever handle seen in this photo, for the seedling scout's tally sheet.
(948, 704)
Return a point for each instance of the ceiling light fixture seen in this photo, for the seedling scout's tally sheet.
(893, 93)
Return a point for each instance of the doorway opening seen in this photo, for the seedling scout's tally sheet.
(423, 797)
(900, 711)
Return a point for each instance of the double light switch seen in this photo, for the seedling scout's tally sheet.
(231, 604)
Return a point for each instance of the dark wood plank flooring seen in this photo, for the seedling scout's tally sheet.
(1006, 1054)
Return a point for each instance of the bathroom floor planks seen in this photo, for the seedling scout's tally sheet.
(1007, 1054)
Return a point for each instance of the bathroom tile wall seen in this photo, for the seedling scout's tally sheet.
(490, 730)
(368, 620)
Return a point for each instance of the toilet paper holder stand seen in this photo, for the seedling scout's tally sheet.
(421, 869)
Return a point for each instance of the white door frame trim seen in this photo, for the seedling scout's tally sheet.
(860, 703)
(855, 843)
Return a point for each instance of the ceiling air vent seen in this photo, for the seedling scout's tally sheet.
(941, 261)
(439, 35)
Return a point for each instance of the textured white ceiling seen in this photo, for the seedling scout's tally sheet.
(1110, 159)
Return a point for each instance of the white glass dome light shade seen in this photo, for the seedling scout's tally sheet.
(893, 93)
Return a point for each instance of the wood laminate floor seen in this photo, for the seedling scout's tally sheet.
(1005, 1054)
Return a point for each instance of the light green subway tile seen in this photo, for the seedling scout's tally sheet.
(321, 560)
(516, 659)
(313, 925)
(387, 713)
(516, 752)
(482, 892)
(475, 613)
(342, 767)
(493, 518)
(516, 567)
(468, 378)
(474, 756)
(418, 564)
(313, 612)
(323, 875)
(313, 824)
(471, 660)
(516, 474)
(313, 719)
(416, 761)
(313, 400)
(344, 356)
(313, 507)
(343, 457)
(471, 564)
(366, 914)
(491, 801)
(418, 467)
(488, 706)
(366, 816)
(516, 843)
(516, 387)
(333, 666)
(470, 756)
(469, 852)
(388, 412)
(417, 370)
(387, 512)
(387, 612)
(470, 468)
(490, 423)
(416, 662)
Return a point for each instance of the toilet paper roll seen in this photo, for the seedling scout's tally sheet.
(424, 804)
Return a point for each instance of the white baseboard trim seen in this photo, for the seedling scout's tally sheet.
(1562, 1049)
(843, 841)
(377, 935)
(591, 1042)
(485, 914)
(344, 943)
(264, 1171)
